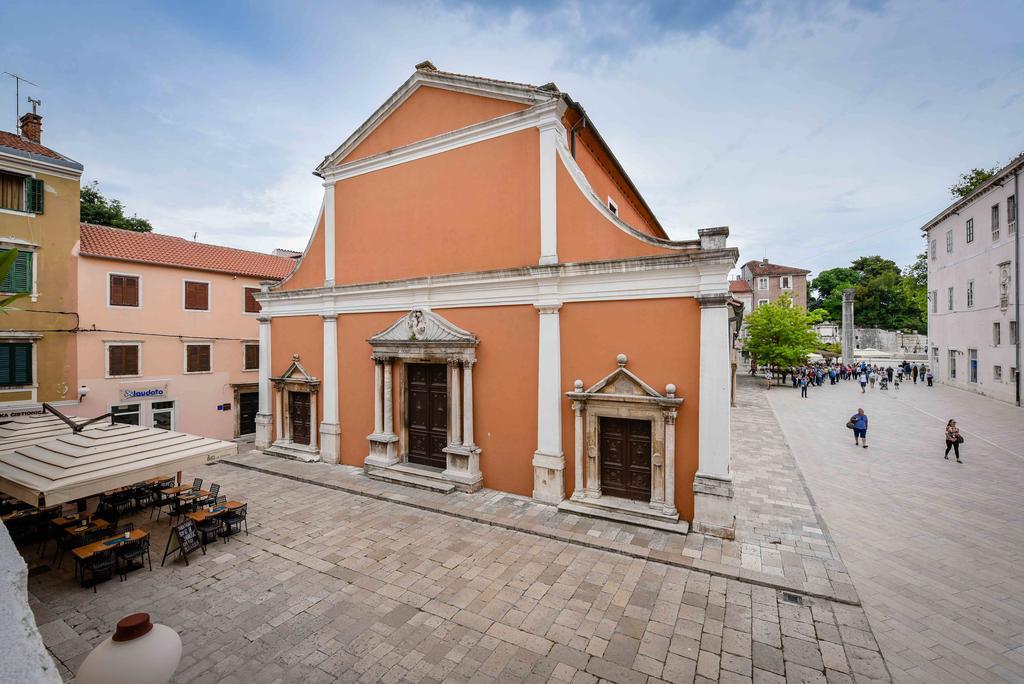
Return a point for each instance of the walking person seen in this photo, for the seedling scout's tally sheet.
(863, 381)
(929, 377)
(803, 386)
(859, 424)
(953, 440)
(914, 373)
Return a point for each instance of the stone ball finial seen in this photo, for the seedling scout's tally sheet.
(670, 390)
(578, 385)
(295, 357)
(622, 359)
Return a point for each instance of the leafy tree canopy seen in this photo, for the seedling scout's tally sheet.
(827, 290)
(918, 271)
(968, 182)
(884, 296)
(95, 208)
(7, 260)
(780, 334)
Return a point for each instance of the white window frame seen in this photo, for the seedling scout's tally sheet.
(969, 231)
(935, 301)
(762, 283)
(140, 404)
(24, 197)
(949, 299)
(786, 282)
(972, 369)
(997, 333)
(247, 343)
(18, 337)
(612, 206)
(151, 411)
(762, 302)
(951, 369)
(209, 295)
(107, 344)
(122, 273)
(970, 294)
(933, 252)
(185, 344)
(997, 373)
(995, 220)
(949, 241)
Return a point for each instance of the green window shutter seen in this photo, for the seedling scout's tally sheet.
(35, 195)
(15, 364)
(19, 278)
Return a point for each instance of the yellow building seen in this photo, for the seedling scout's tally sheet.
(39, 210)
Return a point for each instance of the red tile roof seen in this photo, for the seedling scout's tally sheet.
(764, 268)
(167, 250)
(739, 286)
(17, 142)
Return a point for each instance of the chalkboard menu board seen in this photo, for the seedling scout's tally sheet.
(184, 539)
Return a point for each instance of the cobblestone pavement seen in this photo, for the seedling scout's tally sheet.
(934, 547)
(334, 586)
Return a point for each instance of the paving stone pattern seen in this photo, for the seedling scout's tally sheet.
(934, 547)
(333, 586)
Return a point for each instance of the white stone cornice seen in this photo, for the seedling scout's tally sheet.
(675, 275)
(545, 113)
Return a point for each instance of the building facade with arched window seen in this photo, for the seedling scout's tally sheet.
(486, 300)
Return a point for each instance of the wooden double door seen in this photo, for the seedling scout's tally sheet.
(427, 413)
(625, 454)
(298, 412)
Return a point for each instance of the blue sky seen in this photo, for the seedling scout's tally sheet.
(817, 131)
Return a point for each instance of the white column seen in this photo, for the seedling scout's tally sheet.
(713, 510)
(330, 430)
(328, 233)
(548, 460)
(389, 428)
(670, 463)
(455, 398)
(312, 421)
(264, 418)
(378, 397)
(549, 132)
(467, 402)
(577, 407)
(279, 413)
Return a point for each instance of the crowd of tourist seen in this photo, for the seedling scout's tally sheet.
(867, 375)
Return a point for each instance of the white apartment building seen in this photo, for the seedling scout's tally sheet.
(973, 288)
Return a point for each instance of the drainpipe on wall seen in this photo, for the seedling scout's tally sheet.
(1016, 274)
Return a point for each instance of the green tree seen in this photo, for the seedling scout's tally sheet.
(7, 260)
(780, 334)
(95, 208)
(873, 266)
(918, 271)
(827, 290)
(969, 182)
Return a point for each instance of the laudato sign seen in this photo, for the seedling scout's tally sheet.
(140, 391)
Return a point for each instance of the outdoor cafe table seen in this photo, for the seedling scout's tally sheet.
(77, 530)
(83, 553)
(64, 520)
(171, 491)
(204, 513)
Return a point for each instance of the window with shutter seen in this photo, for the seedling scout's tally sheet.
(34, 192)
(12, 191)
(197, 358)
(197, 296)
(252, 357)
(19, 278)
(124, 290)
(123, 359)
(15, 364)
(251, 305)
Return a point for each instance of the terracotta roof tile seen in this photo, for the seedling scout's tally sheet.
(167, 250)
(764, 268)
(739, 286)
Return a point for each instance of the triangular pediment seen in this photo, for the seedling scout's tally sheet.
(429, 77)
(622, 382)
(424, 326)
(296, 372)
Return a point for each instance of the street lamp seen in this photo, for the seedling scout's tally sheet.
(139, 652)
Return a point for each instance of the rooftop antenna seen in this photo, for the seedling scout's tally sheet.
(17, 95)
(195, 237)
(34, 102)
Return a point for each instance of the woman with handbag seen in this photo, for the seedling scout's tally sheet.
(953, 440)
(859, 424)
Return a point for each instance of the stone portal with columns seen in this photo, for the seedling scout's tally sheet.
(422, 336)
(295, 381)
(848, 340)
(621, 394)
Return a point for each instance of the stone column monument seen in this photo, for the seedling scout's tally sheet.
(848, 338)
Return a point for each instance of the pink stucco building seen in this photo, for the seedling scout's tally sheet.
(169, 331)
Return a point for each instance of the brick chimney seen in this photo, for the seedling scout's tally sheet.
(31, 125)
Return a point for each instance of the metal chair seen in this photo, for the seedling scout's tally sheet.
(212, 497)
(100, 565)
(211, 526)
(234, 521)
(131, 552)
(197, 484)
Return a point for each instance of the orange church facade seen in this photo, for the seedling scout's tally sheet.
(486, 300)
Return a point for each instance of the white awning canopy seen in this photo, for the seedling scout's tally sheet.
(102, 457)
(23, 431)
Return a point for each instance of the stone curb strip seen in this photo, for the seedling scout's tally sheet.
(653, 555)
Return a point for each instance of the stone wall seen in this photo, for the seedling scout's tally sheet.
(890, 341)
(23, 657)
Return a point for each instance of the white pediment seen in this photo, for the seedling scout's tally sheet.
(296, 372)
(425, 326)
(624, 385)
